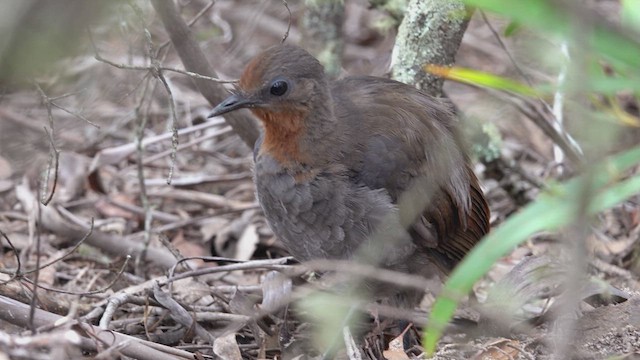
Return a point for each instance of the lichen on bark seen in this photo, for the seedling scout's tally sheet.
(430, 33)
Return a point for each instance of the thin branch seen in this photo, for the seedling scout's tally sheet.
(36, 276)
(286, 34)
(60, 258)
(142, 116)
(271, 264)
(86, 293)
(75, 114)
(54, 157)
(558, 102)
(504, 48)
(99, 57)
(174, 127)
(14, 274)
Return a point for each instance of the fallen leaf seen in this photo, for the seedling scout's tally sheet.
(396, 350)
(247, 243)
(226, 347)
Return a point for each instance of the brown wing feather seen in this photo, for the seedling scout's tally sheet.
(454, 239)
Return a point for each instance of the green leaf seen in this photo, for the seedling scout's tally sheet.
(480, 78)
(630, 14)
(552, 210)
(511, 28)
(548, 16)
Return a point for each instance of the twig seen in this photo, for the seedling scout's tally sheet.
(36, 275)
(75, 114)
(271, 264)
(86, 293)
(136, 348)
(113, 304)
(558, 102)
(194, 60)
(152, 68)
(196, 141)
(286, 34)
(143, 117)
(14, 273)
(54, 156)
(51, 262)
(505, 49)
(174, 126)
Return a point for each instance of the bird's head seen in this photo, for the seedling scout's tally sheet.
(282, 86)
(282, 79)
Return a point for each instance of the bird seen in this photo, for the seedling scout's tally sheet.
(361, 167)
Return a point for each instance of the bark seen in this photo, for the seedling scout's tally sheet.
(195, 61)
(322, 35)
(430, 33)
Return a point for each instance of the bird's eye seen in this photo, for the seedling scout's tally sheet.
(279, 87)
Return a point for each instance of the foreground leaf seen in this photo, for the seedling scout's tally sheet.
(552, 210)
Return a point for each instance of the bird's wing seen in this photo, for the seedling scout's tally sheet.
(405, 142)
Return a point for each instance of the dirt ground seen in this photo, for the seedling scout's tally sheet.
(209, 215)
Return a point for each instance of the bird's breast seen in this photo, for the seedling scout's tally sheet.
(320, 213)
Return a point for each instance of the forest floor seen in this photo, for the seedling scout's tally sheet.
(228, 280)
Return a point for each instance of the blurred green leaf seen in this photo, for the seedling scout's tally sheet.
(548, 16)
(552, 210)
(511, 28)
(630, 14)
(330, 312)
(480, 78)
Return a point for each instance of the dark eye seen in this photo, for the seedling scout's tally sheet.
(279, 87)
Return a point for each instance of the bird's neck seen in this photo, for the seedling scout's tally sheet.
(301, 136)
(283, 131)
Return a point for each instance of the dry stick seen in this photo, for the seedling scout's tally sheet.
(271, 264)
(16, 272)
(556, 121)
(558, 104)
(84, 293)
(174, 126)
(196, 141)
(542, 120)
(557, 112)
(49, 102)
(158, 74)
(118, 153)
(195, 61)
(180, 315)
(504, 48)
(54, 156)
(53, 221)
(143, 116)
(286, 34)
(17, 313)
(155, 214)
(36, 275)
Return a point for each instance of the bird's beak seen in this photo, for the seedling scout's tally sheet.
(233, 102)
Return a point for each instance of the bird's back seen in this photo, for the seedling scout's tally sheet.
(406, 142)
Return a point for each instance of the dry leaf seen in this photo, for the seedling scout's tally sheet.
(396, 350)
(226, 347)
(5, 169)
(189, 248)
(247, 243)
(109, 210)
(72, 172)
